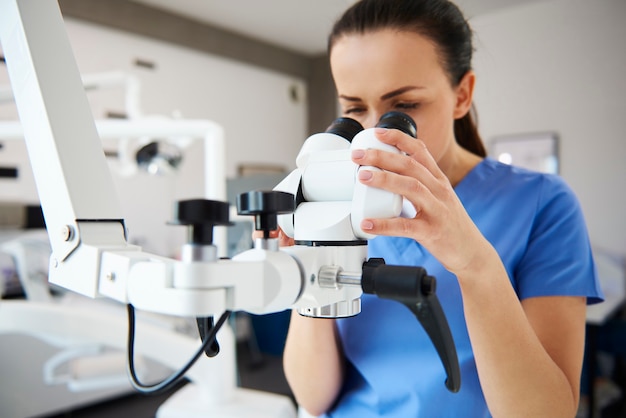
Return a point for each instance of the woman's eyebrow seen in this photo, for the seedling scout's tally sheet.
(399, 91)
(349, 98)
(385, 96)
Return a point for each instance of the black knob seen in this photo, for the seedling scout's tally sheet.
(201, 215)
(265, 206)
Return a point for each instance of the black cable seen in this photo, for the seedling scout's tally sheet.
(171, 381)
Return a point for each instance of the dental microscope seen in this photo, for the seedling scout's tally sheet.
(320, 205)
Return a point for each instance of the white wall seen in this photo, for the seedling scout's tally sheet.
(262, 123)
(560, 66)
(252, 104)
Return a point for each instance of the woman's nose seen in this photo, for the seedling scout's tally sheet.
(371, 120)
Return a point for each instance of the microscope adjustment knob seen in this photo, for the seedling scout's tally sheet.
(265, 206)
(201, 215)
(201, 211)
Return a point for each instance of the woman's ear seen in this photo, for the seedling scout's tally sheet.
(464, 94)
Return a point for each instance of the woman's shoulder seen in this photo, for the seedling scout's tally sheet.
(505, 179)
(490, 168)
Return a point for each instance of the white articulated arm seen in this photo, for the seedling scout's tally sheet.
(61, 138)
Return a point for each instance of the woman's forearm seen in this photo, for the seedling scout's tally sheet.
(313, 362)
(526, 367)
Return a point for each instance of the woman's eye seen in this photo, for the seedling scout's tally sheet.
(353, 111)
(407, 106)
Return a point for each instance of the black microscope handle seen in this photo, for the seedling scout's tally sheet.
(431, 316)
(412, 287)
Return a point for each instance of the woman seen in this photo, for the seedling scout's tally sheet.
(508, 247)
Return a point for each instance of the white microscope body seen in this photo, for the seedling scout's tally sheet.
(330, 205)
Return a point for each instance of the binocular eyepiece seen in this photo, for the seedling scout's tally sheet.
(347, 127)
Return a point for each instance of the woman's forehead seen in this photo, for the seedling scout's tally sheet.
(384, 60)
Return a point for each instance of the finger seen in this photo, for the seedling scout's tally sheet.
(395, 227)
(427, 173)
(260, 234)
(414, 148)
(284, 240)
(420, 196)
(395, 163)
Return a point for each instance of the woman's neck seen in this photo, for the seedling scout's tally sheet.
(458, 164)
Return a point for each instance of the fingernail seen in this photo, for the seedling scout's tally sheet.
(367, 225)
(365, 175)
(358, 154)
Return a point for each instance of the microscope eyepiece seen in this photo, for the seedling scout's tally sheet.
(345, 127)
(400, 121)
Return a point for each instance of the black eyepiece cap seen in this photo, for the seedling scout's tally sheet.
(345, 127)
(400, 121)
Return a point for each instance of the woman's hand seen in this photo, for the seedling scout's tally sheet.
(441, 223)
(283, 239)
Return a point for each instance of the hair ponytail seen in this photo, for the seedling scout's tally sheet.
(466, 133)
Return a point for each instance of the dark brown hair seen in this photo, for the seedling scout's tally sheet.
(440, 21)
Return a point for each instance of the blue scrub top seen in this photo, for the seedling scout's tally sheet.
(535, 223)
